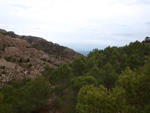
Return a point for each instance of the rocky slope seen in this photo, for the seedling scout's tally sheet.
(26, 56)
(51, 48)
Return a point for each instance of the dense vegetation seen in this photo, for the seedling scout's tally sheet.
(107, 81)
(113, 80)
(25, 96)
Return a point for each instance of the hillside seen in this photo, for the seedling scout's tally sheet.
(26, 56)
(51, 48)
(113, 80)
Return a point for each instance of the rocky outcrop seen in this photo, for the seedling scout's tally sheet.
(26, 56)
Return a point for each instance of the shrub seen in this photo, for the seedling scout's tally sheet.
(29, 65)
(8, 58)
(2, 67)
(20, 60)
(27, 60)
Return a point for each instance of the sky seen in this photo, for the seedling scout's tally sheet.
(82, 25)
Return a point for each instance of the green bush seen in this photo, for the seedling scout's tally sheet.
(2, 67)
(8, 58)
(20, 60)
(25, 96)
(27, 60)
(29, 65)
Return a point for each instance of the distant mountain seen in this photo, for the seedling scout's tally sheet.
(26, 56)
(85, 53)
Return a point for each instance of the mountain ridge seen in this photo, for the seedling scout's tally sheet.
(26, 56)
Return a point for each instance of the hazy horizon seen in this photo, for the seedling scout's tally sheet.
(82, 25)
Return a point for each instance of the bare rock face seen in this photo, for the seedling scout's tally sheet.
(26, 56)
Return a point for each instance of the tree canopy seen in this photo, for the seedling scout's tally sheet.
(113, 80)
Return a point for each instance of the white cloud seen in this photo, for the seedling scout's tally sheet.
(73, 22)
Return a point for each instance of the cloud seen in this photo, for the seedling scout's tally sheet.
(79, 24)
(20, 6)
